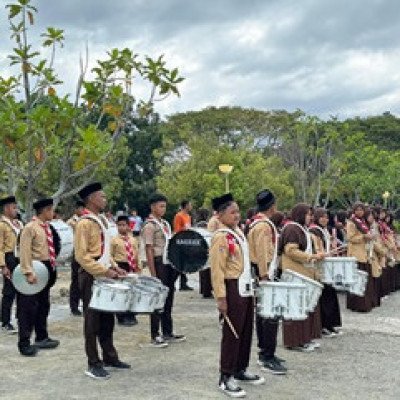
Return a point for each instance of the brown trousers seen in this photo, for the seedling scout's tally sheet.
(98, 326)
(235, 353)
(363, 303)
(298, 333)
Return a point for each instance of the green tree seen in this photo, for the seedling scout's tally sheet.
(49, 138)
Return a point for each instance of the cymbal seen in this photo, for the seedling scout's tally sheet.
(21, 284)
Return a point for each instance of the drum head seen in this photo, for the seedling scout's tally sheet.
(188, 251)
(21, 284)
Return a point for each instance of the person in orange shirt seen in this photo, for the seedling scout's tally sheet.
(182, 221)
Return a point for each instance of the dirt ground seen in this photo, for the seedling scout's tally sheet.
(360, 364)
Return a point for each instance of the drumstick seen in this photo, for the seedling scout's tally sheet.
(232, 328)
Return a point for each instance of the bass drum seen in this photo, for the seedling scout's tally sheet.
(188, 250)
(66, 235)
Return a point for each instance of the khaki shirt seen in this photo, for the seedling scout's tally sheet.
(118, 250)
(73, 221)
(356, 242)
(261, 246)
(153, 235)
(223, 264)
(293, 258)
(214, 224)
(87, 244)
(33, 245)
(318, 243)
(8, 238)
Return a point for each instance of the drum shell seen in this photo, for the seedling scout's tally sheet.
(339, 271)
(358, 288)
(284, 300)
(156, 284)
(66, 240)
(109, 297)
(313, 288)
(144, 299)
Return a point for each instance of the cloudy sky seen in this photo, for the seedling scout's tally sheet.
(327, 57)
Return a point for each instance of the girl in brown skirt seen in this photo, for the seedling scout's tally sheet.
(358, 239)
(227, 265)
(330, 311)
(298, 335)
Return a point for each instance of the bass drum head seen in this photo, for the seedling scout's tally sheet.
(21, 284)
(188, 251)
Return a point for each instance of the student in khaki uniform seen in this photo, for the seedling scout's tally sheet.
(227, 264)
(359, 238)
(74, 293)
(154, 236)
(39, 241)
(88, 244)
(261, 237)
(214, 223)
(10, 228)
(330, 310)
(298, 335)
(376, 252)
(124, 253)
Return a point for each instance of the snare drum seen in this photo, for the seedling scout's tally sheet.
(282, 300)
(339, 271)
(145, 299)
(313, 288)
(157, 284)
(360, 284)
(110, 296)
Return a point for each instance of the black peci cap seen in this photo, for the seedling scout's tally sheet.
(89, 189)
(40, 204)
(218, 202)
(265, 199)
(7, 200)
(123, 218)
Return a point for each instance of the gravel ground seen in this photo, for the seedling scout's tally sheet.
(360, 364)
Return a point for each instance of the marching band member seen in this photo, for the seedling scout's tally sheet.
(74, 293)
(261, 237)
(10, 229)
(214, 223)
(330, 310)
(299, 335)
(227, 264)
(183, 221)
(88, 243)
(124, 253)
(376, 252)
(155, 235)
(39, 241)
(358, 238)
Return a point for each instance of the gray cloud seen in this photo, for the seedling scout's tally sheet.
(326, 57)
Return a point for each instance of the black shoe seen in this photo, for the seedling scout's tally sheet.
(47, 343)
(97, 372)
(9, 328)
(185, 288)
(174, 338)
(228, 385)
(117, 365)
(127, 322)
(279, 360)
(29, 351)
(76, 313)
(274, 367)
(262, 358)
(247, 377)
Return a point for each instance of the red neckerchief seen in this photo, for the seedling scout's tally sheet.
(87, 212)
(165, 227)
(129, 253)
(360, 224)
(384, 230)
(49, 238)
